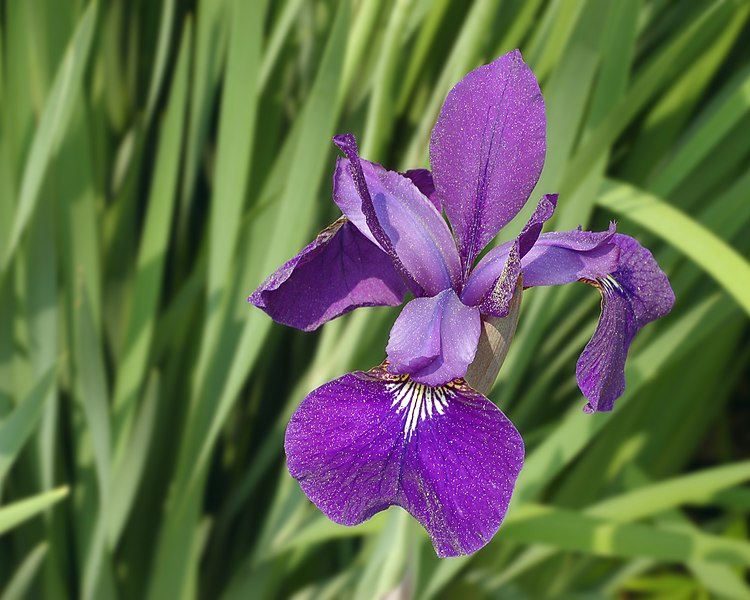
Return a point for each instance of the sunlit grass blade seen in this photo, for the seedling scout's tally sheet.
(715, 256)
(720, 117)
(573, 531)
(235, 144)
(12, 515)
(160, 60)
(57, 111)
(697, 488)
(152, 256)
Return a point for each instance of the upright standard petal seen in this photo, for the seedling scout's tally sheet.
(634, 292)
(434, 339)
(487, 150)
(339, 271)
(447, 455)
(389, 209)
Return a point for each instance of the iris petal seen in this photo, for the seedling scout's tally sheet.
(448, 456)
(434, 339)
(634, 292)
(338, 272)
(416, 235)
(487, 150)
(488, 273)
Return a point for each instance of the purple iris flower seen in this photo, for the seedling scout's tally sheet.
(412, 432)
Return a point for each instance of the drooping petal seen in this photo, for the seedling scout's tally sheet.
(447, 455)
(339, 271)
(434, 340)
(402, 221)
(635, 294)
(487, 274)
(487, 150)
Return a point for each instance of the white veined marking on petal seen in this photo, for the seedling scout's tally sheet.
(420, 400)
(610, 284)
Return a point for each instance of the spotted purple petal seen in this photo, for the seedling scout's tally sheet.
(414, 228)
(447, 455)
(487, 150)
(434, 339)
(339, 271)
(497, 301)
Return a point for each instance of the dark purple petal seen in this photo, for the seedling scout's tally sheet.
(415, 232)
(339, 271)
(487, 273)
(422, 178)
(498, 300)
(434, 339)
(448, 456)
(635, 294)
(487, 150)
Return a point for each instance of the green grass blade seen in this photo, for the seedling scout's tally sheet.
(696, 488)
(55, 118)
(128, 474)
(152, 255)
(25, 575)
(160, 60)
(93, 392)
(16, 428)
(234, 153)
(721, 116)
(711, 253)
(14, 514)
(573, 531)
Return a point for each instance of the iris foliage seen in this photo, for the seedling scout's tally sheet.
(159, 159)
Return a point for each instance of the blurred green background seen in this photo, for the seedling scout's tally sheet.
(159, 159)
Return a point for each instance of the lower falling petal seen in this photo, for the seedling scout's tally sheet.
(447, 455)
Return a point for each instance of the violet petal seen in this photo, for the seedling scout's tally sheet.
(339, 271)
(530, 233)
(562, 257)
(635, 294)
(485, 275)
(434, 339)
(498, 300)
(414, 228)
(422, 178)
(487, 150)
(448, 456)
